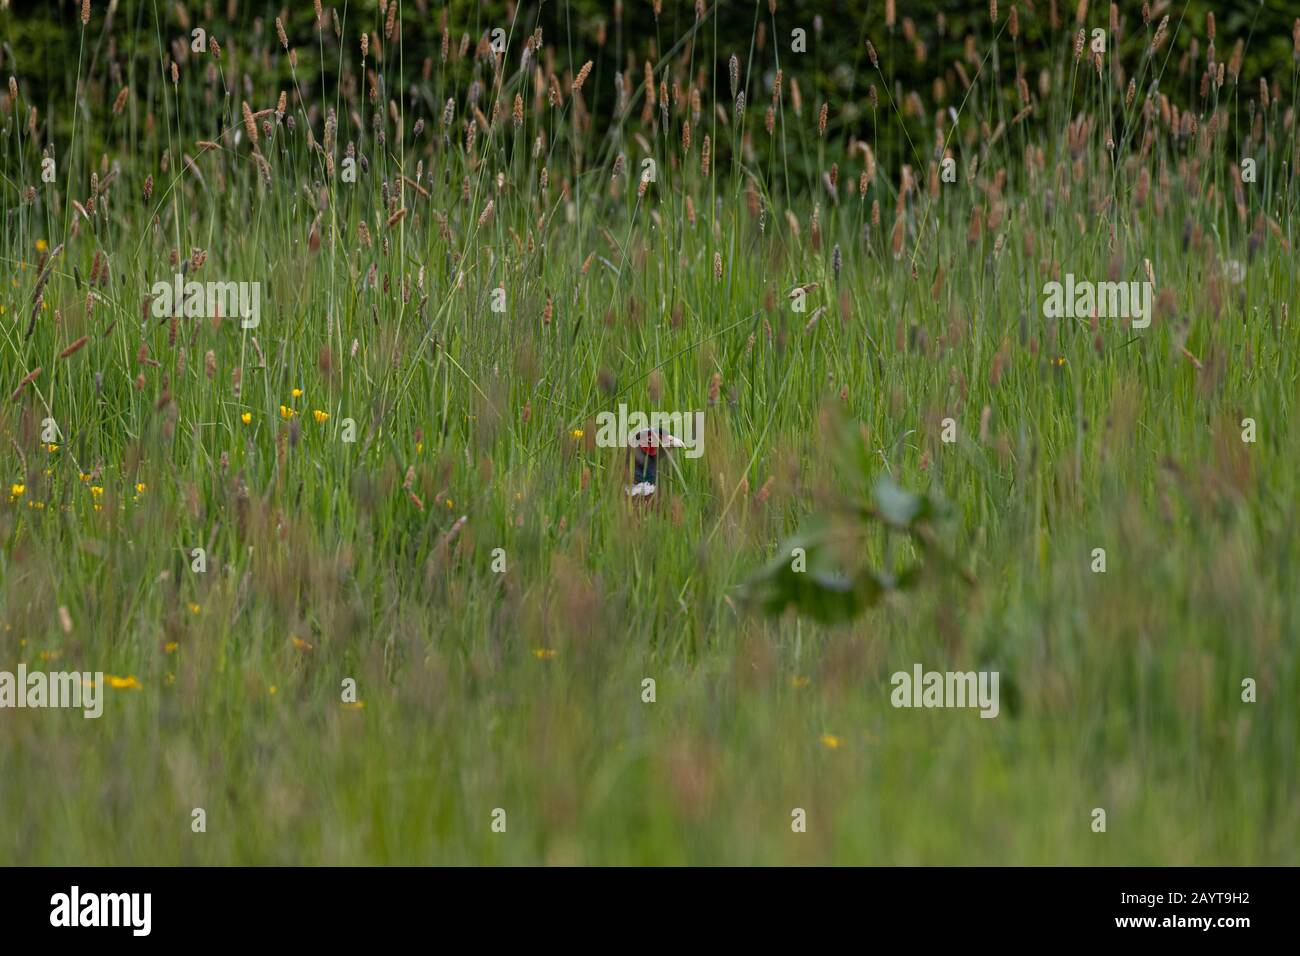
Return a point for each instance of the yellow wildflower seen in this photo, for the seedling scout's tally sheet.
(830, 741)
(246, 418)
(321, 417)
(122, 683)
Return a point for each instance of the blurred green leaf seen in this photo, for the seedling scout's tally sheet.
(827, 593)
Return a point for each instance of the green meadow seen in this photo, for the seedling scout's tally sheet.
(360, 584)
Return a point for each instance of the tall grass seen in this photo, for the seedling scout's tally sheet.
(523, 690)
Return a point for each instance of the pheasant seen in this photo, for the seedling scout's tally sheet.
(645, 445)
